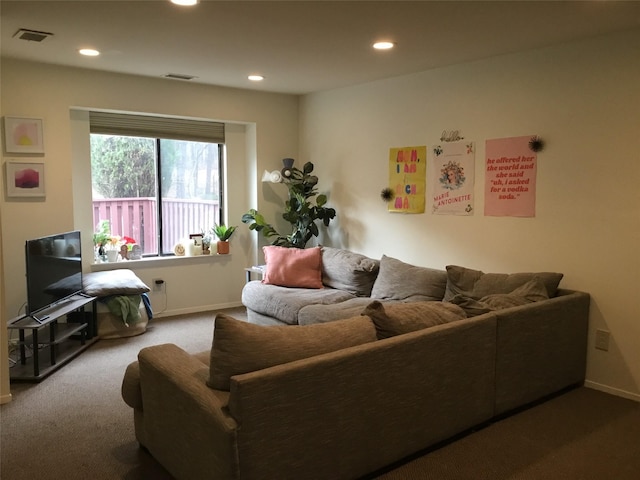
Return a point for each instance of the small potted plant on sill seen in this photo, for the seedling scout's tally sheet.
(224, 234)
(101, 237)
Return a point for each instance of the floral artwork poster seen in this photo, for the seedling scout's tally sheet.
(452, 177)
(510, 177)
(407, 179)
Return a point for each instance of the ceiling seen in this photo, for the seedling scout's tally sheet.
(299, 46)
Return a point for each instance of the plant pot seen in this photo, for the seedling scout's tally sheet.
(223, 247)
(112, 256)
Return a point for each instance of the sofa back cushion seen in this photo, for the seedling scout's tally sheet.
(349, 271)
(241, 347)
(477, 284)
(398, 318)
(532, 291)
(293, 267)
(401, 281)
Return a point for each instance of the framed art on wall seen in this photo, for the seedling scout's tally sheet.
(23, 135)
(25, 179)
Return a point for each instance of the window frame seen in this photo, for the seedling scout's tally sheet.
(160, 128)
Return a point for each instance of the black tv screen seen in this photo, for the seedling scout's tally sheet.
(54, 269)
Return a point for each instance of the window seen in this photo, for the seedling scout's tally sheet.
(155, 189)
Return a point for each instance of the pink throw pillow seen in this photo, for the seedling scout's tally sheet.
(293, 267)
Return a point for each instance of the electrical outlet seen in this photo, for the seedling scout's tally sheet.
(602, 340)
(158, 285)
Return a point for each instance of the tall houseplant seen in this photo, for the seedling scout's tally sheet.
(299, 210)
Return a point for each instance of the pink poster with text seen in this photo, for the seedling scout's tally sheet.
(510, 178)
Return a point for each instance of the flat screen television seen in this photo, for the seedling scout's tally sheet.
(54, 270)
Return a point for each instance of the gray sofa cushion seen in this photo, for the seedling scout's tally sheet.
(240, 347)
(349, 271)
(401, 281)
(532, 291)
(328, 313)
(477, 284)
(398, 318)
(284, 303)
(121, 281)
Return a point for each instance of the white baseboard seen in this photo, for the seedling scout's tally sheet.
(613, 391)
(5, 398)
(199, 309)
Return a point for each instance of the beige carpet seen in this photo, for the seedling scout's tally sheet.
(74, 425)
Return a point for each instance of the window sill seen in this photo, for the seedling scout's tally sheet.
(157, 262)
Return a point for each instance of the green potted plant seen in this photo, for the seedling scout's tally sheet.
(101, 237)
(299, 209)
(223, 233)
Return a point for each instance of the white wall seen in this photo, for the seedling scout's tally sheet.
(263, 129)
(582, 99)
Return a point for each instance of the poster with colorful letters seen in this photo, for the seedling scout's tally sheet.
(407, 179)
(510, 178)
(452, 176)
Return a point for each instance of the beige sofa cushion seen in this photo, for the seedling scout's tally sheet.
(477, 284)
(398, 318)
(401, 281)
(241, 347)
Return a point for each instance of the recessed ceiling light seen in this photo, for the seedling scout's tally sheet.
(185, 3)
(89, 52)
(256, 78)
(383, 45)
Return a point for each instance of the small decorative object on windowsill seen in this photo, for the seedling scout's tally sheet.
(179, 249)
(104, 243)
(112, 255)
(135, 253)
(197, 247)
(223, 233)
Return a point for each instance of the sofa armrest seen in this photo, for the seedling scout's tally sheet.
(187, 428)
(130, 389)
(541, 349)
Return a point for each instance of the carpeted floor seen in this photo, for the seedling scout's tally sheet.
(74, 425)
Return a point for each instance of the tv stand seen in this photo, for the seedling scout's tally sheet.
(39, 319)
(65, 340)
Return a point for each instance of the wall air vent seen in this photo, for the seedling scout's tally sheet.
(31, 35)
(179, 76)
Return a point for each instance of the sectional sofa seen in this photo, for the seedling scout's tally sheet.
(344, 398)
(331, 283)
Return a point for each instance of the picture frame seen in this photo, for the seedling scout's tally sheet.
(23, 135)
(196, 247)
(197, 239)
(25, 179)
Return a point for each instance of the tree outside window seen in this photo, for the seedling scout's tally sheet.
(156, 191)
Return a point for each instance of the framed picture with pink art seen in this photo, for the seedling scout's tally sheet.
(23, 135)
(25, 179)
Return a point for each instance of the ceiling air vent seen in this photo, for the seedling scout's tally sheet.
(31, 35)
(179, 76)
